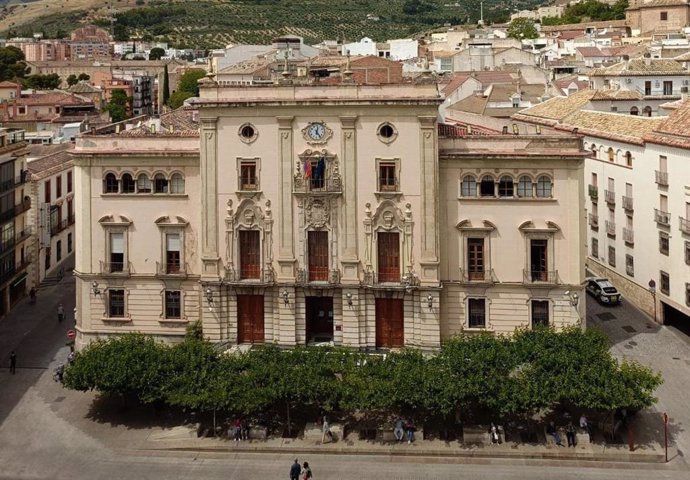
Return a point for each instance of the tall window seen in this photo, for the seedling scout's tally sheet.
(46, 188)
(687, 253)
(630, 265)
(248, 180)
(487, 186)
(611, 154)
(476, 313)
(475, 258)
(318, 256)
(143, 184)
(58, 250)
(664, 283)
(628, 159)
(612, 256)
(177, 183)
(648, 87)
(387, 180)
(69, 243)
(539, 260)
(172, 253)
(116, 303)
(388, 256)
(128, 185)
(540, 313)
(250, 254)
(544, 187)
(58, 186)
(69, 182)
(524, 188)
(117, 252)
(160, 183)
(469, 186)
(668, 87)
(663, 243)
(505, 186)
(110, 184)
(595, 248)
(173, 304)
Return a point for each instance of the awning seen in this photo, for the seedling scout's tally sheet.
(20, 279)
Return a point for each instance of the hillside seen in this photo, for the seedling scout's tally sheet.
(215, 23)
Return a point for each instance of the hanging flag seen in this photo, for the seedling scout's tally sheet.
(307, 168)
(320, 168)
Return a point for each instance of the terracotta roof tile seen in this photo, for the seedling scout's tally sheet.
(641, 66)
(616, 126)
(557, 108)
(45, 166)
(674, 130)
(606, 94)
(178, 123)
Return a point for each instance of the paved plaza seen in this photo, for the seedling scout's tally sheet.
(52, 433)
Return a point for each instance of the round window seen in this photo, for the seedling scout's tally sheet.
(247, 131)
(386, 131)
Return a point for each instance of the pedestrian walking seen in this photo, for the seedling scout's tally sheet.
(237, 430)
(32, 295)
(61, 313)
(13, 362)
(295, 470)
(326, 429)
(306, 471)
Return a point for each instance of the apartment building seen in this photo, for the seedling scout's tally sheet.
(638, 203)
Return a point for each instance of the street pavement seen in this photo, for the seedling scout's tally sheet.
(47, 432)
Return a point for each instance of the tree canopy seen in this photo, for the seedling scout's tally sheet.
(156, 53)
(533, 371)
(12, 64)
(522, 29)
(589, 10)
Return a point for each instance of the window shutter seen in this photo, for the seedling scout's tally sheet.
(173, 242)
(117, 243)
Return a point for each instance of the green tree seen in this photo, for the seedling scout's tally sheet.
(177, 99)
(189, 81)
(166, 85)
(117, 106)
(156, 53)
(72, 80)
(522, 29)
(83, 77)
(40, 81)
(12, 64)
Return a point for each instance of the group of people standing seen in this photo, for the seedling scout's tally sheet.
(296, 470)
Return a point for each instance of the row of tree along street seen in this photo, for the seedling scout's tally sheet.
(534, 371)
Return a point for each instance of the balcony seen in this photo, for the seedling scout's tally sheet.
(171, 270)
(661, 217)
(594, 221)
(593, 191)
(59, 227)
(628, 236)
(23, 178)
(627, 203)
(541, 276)
(610, 197)
(684, 225)
(264, 275)
(115, 269)
(6, 245)
(22, 207)
(23, 235)
(23, 264)
(661, 178)
(329, 276)
(481, 276)
(610, 228)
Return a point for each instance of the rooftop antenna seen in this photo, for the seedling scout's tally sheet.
(481, 13)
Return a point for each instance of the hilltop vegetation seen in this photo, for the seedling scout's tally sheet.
(216, 23)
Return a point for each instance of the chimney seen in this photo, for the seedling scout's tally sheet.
(647, 59)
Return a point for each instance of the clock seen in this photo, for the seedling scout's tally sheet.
(316, 131)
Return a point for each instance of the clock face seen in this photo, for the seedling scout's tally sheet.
(316, 131)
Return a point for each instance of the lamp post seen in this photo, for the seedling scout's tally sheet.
(652, 290)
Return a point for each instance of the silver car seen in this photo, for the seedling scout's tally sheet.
(603, 291)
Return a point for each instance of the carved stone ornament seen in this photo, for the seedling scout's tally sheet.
(317, 213)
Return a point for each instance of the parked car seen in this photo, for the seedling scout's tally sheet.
(603, 291)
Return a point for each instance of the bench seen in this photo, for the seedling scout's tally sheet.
(258, 433)
(479, 434)
(314, 431)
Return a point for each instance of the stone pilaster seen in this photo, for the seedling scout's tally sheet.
(209, 199)
(429, 262)
(350, 257)
(351, 322)
(286, 316)
(428, 320)
(286, 247)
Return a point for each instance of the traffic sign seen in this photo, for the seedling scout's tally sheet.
(71, 333)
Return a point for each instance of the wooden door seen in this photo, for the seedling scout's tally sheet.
(250, 318)
(389, 323)
(250, 254)
(475, 258)
(318, 256)
(388, 244)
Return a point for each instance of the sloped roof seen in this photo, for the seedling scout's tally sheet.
(616, 126)
(177, 123)
(56, 97)
(641, 66)
(48, 165)
(247, 67)
(82, 87)
(658, 3)
(673, 130)
(608, 94)
(556, 108)
(6, 84)
(454, 83)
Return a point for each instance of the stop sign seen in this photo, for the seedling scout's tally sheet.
(71, 333)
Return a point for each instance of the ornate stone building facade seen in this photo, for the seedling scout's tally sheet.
(327, 214)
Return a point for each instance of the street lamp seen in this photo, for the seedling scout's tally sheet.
(429, 301)
(652, 290)
(348, 296)
(286, 297)
(94, 288)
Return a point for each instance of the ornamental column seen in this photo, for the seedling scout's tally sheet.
(286, 247)
(209, 199)
(350, 257)
(429, 262)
